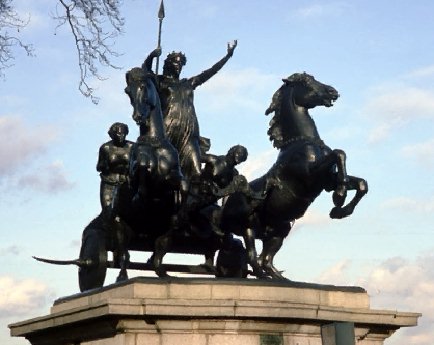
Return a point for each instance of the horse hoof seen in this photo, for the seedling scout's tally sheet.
(122, 277)
(274, 274)
(339, 212)
(336, 213)
(162, 273)
(260, 274)
(263, 277)
(208, 267)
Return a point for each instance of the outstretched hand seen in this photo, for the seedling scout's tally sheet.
(231, 47)
(156, 52)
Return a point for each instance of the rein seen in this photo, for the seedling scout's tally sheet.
(292, 140)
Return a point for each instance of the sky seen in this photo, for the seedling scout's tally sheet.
(379, 55)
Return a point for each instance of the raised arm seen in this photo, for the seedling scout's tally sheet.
(210, 72)
(147, 64)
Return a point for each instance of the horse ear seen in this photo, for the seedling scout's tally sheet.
(293, 79)
(274, 102)
(269, 110)
(127, 77)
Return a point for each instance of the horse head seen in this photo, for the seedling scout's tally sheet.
(309, 93)
(142, 93)
(291, 102)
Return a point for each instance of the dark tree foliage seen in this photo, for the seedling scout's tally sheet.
(10, 26)
(94, 25)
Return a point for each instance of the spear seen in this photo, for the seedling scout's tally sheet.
(160, 18)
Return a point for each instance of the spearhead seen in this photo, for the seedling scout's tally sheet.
(161, 11)
(160, 17)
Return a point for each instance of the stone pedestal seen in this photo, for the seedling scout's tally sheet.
(184, 311)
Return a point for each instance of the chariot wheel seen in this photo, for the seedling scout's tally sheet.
(232, 261)
(93, 255)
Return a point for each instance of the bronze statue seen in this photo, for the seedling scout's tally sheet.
(167, 193)
(114, 165)
(218, 178)
(180, 120)
(199, 214)
(161, 212)
(305, 167)
(221, 169)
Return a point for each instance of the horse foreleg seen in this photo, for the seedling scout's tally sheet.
(335, 157)
(252, 256)
(162, 246)
(123, 260)
(340, 193)
(340, 186)
(361, 187)
(270, 248)
(209, 258)
(341, 164)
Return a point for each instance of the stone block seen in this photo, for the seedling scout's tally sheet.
(149, 339)
(183, 339)
(233, 339)
(199, 311)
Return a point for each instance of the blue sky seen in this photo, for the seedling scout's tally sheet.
(379, 55)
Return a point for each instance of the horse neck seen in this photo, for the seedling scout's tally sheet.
(156, 127)
(295, 119)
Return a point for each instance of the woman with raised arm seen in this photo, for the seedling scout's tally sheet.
(177, 100)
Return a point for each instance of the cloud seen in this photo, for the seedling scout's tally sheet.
(11, 250)
(404, 103)
(336, 273)
(49, 179)
(383, 130)
(422, 153)
(243, 88)
(315, 10)
(405, 285)
(323, 10)
(424, 72)
(315, 218)
(20, 297)
(395, 284)
(392, 107)
(397, 103)
(410, 205)
(21, 143)
(259, 165)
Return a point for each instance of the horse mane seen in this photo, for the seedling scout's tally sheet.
(276, 126)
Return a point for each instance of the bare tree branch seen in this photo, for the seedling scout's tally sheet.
(10, 20)
(94, 24)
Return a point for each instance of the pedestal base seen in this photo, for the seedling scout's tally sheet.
(183, 311)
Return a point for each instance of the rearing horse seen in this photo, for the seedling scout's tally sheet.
(154, 158)
(304, 168)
